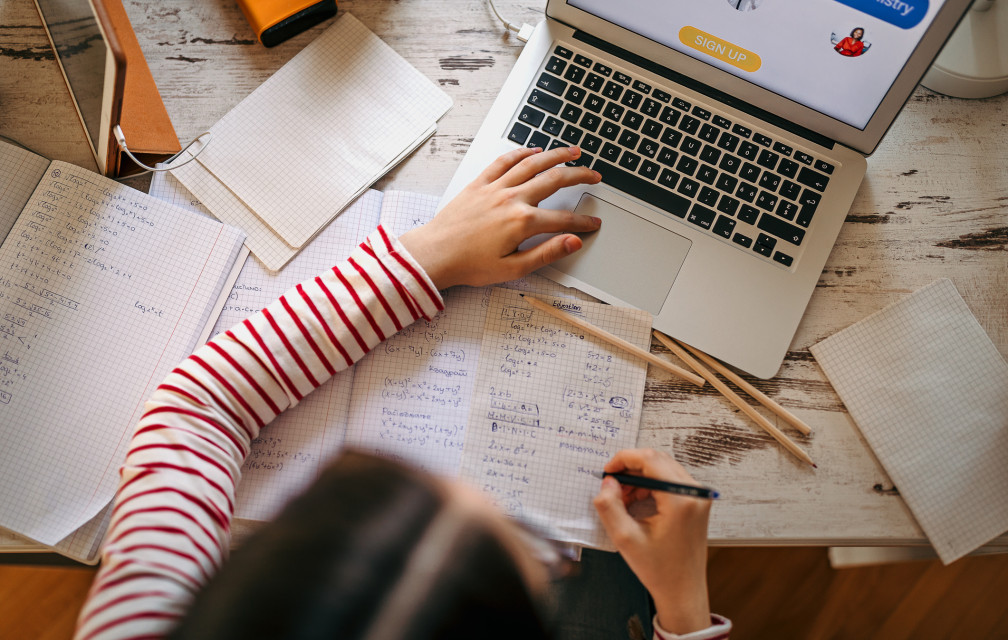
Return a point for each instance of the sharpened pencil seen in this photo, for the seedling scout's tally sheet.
(734, 398)
(614, 340)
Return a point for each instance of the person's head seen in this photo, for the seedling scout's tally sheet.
(857, 33)
(376, 550)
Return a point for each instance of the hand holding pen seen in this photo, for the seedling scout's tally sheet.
(694, 491)
(667, 548)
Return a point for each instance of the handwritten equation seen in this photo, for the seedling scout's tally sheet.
(69, 238)
(551, 405)
(412, 396)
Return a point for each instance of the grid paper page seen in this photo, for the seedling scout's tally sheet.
(164, 186)
(325, 126)
(551, 406)
(104, 290)
(226, 207)
(20, 172)
(411, 395)
(289, 453)
(929, 392)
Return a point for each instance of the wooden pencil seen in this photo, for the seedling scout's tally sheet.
(760, 397)
(614, 340)
(734, 398)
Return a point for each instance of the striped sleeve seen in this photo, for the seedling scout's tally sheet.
(171, 519)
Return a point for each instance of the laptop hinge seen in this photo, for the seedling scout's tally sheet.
(706, 90)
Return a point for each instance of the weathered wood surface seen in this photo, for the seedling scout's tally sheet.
(934, 205)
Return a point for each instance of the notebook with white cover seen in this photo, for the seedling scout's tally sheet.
(308, 141)
(929, 391)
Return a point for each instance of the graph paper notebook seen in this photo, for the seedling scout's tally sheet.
(550, 407)
(929, 392)
(323, 128)
(409, 399)
(103, 290)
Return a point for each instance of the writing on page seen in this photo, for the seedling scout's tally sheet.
(551, 406)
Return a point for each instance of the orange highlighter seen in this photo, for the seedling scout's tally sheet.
(276, 20)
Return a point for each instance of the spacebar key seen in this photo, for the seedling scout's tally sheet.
(639, 188)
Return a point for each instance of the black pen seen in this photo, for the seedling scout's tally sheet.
(662, 485)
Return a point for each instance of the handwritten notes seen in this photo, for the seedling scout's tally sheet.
(19, 174)
(411, 396)
(98, 282)
(560, 404)
(550, 406)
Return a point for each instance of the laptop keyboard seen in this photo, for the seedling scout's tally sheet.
(757, 193)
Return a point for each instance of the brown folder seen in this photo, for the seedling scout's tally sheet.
(145, 123)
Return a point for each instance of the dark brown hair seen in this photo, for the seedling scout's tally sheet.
(371, 549)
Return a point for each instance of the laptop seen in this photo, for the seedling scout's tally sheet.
(731, 136)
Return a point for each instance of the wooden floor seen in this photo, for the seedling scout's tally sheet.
(768, 593)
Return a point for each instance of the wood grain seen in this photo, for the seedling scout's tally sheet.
(767, 593)
(934, 204)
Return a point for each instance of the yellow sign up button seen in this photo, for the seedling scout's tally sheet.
(721, 49)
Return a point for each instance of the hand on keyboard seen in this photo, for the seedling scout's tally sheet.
(474, 239)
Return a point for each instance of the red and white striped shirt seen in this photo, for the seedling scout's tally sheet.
(170, 527)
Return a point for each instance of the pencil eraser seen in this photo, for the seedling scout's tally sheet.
(277, 20)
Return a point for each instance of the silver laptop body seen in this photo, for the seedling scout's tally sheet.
(699, 262)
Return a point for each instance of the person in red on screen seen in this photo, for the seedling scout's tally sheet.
(852, 46)
(373, 550)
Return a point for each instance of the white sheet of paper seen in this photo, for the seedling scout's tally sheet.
(551, 406)
(119, 288)
(324, 127)
(929, 392)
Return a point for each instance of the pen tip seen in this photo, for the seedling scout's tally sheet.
(522, 294)
(815, 466)
(715, 495)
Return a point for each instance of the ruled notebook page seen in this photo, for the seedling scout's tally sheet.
(929, 392)
(329, 123)
(551, 406)
(103, 290)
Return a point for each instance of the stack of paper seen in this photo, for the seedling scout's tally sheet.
(304, 145)
(929, 392)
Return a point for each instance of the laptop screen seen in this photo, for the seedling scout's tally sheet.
(838, 57)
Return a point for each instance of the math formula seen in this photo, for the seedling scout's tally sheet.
(418, 387)
(551, 402)
(72, 238)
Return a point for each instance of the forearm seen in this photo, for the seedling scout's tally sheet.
(171, 520)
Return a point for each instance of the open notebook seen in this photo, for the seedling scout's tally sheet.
(413, 396)
(103, 289)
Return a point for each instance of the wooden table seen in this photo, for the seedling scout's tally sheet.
(934, 205)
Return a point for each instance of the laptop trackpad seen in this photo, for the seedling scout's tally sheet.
(628, 257)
